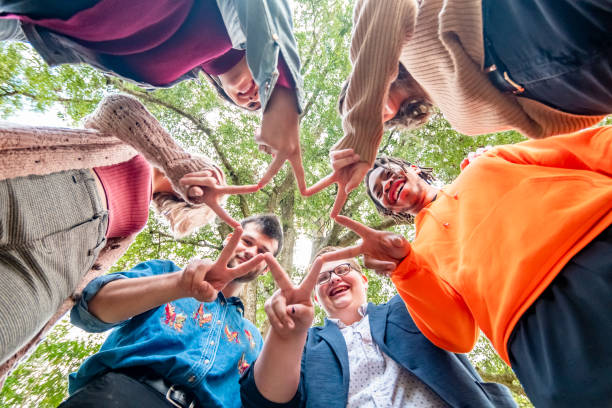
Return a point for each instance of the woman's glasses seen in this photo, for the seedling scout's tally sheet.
(339, 270)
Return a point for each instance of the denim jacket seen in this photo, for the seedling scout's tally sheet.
(324, 371)
(261, 27)
(204, 347)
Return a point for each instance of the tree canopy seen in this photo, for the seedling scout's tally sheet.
(204, 124)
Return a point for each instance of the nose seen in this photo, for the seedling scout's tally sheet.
(334, 277)
(249, 253)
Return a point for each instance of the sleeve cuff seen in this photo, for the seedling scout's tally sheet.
(80, 315)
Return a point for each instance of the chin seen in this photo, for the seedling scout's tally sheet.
(248, 277)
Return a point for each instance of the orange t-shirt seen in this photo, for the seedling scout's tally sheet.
(496, 237)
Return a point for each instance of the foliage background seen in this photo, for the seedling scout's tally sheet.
(202, 123)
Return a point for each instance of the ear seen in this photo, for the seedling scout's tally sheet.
(416, 169)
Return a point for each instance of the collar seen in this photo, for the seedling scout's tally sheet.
(232, 300)
(363, 311)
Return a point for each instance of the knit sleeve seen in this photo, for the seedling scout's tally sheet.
(436, 308)
(128, 120)
(381, 27)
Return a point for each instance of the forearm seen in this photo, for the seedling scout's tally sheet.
(380, 31)
(124, 298)
(277, 370)
(128, 120)
(437, 309)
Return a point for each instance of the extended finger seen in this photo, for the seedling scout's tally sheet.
(356, 226)
(339, 202)
(310, 280)
(278, 273)
(320, 185)
(344, 253)
(298, 171)
(228, 250)
(245, 267)
(274, 167)
(246, 189)
(222, 214)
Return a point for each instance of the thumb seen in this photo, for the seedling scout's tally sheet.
(299, 311)
(397, 241)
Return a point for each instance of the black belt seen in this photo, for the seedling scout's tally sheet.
(175, 394)
(497, 73)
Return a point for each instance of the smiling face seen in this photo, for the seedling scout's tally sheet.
(341, 295)
(239, 85)
(252, 242)
(399, 189)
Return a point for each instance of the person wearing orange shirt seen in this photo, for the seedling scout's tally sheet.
(518, 246)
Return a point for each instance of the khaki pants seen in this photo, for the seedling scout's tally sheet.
(52, 228)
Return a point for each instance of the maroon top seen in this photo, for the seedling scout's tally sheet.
(127, 186)
(156, 41)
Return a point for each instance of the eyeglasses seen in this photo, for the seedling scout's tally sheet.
(339, 270)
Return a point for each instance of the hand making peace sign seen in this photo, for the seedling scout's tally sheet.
(202, 279)
(207, 189)
(290, 309)
(348, 171)
(382, 250)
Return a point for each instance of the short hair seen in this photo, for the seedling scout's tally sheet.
(426, 174)
(352, 261)
(414, 112)
(269, 225)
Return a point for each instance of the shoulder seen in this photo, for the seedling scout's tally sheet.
(156, 267)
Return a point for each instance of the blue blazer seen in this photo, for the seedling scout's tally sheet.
(325, 366)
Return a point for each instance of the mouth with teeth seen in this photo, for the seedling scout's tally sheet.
(395, 190)
(338, 290)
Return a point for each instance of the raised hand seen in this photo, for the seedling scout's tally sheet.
(208, 189)
(348, 171)
(290, 309)
(382, 250)
(203, 279)
(279, 136)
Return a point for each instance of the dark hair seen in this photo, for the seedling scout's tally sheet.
(413, 112)
(426, 174)
(216, 83)
(269, 225)
(328, 249)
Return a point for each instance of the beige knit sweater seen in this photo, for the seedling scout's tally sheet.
(440, 42)
(28, 150)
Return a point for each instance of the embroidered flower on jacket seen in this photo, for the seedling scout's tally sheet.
(242, 365)
(250, 337)
(231, 335)
(201, 317)
(173, 319)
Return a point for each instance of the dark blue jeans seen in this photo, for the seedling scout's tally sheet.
(561, 348)
(560, 51)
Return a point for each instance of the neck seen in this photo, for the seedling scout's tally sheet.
(232, 289)
(347, 317)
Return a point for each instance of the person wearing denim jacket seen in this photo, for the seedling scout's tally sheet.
(187, 350)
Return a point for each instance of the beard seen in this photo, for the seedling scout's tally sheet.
(249, 276)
